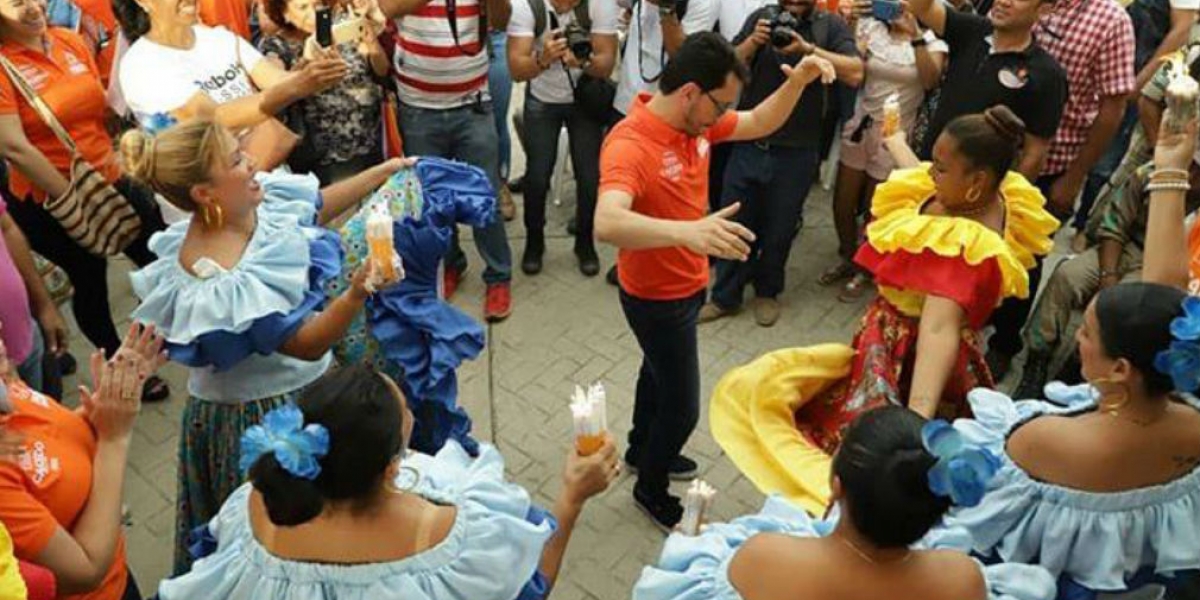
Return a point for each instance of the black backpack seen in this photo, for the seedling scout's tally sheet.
(1151, 22)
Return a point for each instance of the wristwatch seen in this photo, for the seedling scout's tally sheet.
(921, 41)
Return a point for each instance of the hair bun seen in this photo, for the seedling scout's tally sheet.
(137, 155)
(1006, 123)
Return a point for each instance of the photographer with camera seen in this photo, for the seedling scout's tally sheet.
(566, 50)
(657, 29)
(771, 177)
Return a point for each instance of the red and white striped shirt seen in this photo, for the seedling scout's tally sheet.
(431, 70)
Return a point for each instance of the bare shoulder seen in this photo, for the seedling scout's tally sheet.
(1043, 443)
(958, 576)
(764, 567)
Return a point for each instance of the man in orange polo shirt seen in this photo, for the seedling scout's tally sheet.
(652, 205)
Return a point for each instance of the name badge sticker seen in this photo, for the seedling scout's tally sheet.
(1013, 78)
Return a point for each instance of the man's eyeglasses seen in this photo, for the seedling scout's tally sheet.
(722, 107)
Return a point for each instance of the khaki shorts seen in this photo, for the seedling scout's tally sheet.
(867, 154)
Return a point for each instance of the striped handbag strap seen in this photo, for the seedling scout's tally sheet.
(39, 105)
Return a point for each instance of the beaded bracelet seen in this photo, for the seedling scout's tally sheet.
(1159, 186)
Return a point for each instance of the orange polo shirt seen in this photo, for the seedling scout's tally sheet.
(48, 486)
(68, 80)
(666, 172)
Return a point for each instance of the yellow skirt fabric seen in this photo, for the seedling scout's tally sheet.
(752, 417)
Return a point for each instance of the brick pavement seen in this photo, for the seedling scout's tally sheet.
(565, 330)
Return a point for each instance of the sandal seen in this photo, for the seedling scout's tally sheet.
(840, 272)
(855, 289)
(155, 389)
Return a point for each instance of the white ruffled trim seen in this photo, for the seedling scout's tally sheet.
(492, 551)
(1098, 539)
(697, 568)
(271, 277)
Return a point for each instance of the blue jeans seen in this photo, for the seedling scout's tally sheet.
(467, 134)
(500, 85)
(543, 124)
(1104, 168)
(772, 183)
(31, 371)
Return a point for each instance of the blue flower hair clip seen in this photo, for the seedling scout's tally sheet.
(158, 122)
(1181, 360)
(296, 447)
(963, 470)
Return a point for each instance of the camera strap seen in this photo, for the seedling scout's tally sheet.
(582, 16)
(452, 18)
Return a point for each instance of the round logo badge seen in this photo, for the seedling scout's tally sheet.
(1013, 79)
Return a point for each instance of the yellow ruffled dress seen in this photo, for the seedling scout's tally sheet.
(756, 408)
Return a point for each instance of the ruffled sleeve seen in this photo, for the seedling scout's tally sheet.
(458, 192)
(492, 551)
(1099, 540)
(221, 318)
(697, 567)
(899, 226)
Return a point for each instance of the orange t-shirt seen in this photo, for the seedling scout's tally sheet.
(1194, 261)
(666, 172)
(68, 80)
(48, 486)
(233, 15)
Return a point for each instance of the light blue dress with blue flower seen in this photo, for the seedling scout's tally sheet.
(491, 553)
(697, 567)
(1093, 541)
(227, 325)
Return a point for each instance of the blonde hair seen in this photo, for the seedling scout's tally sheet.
(175, 159)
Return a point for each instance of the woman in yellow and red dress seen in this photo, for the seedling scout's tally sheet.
(948, 242)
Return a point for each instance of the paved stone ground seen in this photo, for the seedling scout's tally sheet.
(565, 330)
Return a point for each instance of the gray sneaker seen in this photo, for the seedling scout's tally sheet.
(766, 311)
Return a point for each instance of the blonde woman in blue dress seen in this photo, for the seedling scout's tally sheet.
(238, 291)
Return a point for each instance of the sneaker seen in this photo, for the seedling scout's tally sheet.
(498, 303)
(508, 208)
(531, 259)
(766, 311)
(711, 312)
(665, 510)
(682, 468)
(450, 280)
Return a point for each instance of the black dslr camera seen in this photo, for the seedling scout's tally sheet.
(783, 24)
(579, 41)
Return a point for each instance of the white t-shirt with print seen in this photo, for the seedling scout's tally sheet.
(642, 63)
(159, 79)
(552, 86)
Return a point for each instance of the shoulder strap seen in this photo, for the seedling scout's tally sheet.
(539, 17)
(583, 16)
(38, 105)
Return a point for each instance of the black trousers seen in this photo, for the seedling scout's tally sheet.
(667, 404)
(1010, 318)
(88, 273)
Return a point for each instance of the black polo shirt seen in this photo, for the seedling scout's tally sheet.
(803, 127)
(1030, 82)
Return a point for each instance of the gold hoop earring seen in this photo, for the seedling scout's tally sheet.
(973, 195)
(214, 217)
(415, 481)
(1111, 407)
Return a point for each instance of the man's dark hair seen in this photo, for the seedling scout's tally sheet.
(706, 59)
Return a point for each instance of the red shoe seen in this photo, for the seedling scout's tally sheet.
(450, 280)
(498, 304)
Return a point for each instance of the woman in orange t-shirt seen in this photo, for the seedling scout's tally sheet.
(58, 64)
(61, 498)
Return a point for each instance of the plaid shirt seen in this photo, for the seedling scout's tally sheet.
(1093, 41)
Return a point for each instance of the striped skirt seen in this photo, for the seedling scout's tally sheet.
(209, 449)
